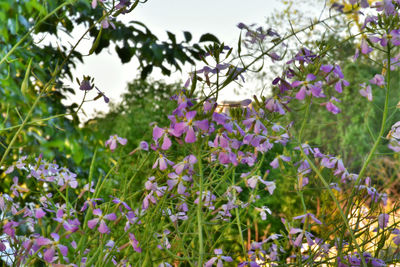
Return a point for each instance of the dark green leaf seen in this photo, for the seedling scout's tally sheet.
(208, 37)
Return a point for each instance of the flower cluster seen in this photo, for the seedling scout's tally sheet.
(22, 221)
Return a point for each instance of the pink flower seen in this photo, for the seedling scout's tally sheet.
(100, 220)
(112, 142)
(189, 126)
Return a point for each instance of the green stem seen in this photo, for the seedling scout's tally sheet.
(199, 211)
(239, 226)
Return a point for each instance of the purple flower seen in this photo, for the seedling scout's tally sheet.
(301, 94)
(207, 199)
(236, 72)
(101, 94)
(162, 133)
(177, 180)
(51, 247)
(120, 202)
(186, 164)
(396, 239)
(255, 123)
(164, 240)
(131, 219)
(106, 22)
(383, 220)
(252, 183)
(85, 84)
(39, 213)
(122, 4)
(386, 6)
(309, 216)
(283, 84)
(134, 243)
(209, 105)
(332, 107)
(365, 49)
(101, 221)
(16, 189)
(175, 217)
(299, 239)
(378, 80)
(9, 228)
(112, 142)
(274, 105)
(219, 258)
(68, 224)
(94, 3)
(90, 202)
(65, 178)
(366, 91)
(394, 137)
(275, 163)
(189, 126)
(162, 162)
(263, 212)
(144, 145)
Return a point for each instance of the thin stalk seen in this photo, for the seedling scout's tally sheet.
(199, 211)
(239, 226)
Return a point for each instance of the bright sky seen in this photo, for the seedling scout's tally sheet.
(218, 17)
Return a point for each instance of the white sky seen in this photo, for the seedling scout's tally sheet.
(218, 17)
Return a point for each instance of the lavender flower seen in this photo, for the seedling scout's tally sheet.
(219, 258)
(112, 142)
(378, 80)
(51, 247)
(366, 91)
(101, 221)
(134, 243)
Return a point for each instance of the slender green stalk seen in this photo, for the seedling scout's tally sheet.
(199, 212)
(239, 226)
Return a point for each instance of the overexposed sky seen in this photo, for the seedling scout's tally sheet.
(218, 17)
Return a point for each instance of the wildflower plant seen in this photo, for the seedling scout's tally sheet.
(210, 172)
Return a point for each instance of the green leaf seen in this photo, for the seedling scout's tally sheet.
(172, 37)
(188, 36)
(208, 37)
(125, 53)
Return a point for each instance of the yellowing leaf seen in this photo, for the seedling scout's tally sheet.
(25, 82)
